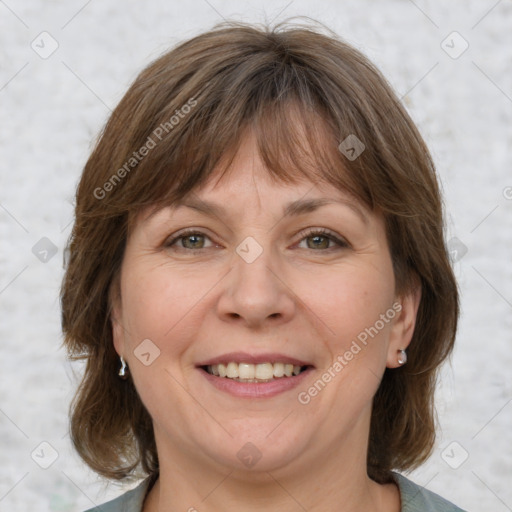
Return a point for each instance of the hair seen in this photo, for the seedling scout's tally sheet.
(301, 92)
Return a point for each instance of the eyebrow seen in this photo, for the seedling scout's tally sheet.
(292, 209)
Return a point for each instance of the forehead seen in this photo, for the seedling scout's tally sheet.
(267, 161)
(247, 181)
(247, 171)
(248, 176)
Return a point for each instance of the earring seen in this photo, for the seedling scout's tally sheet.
(402, 357)
(123, 371)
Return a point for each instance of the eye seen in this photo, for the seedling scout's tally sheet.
(321, 239)
(315, 239)
(190, 239)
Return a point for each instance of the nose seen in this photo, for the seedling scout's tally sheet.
(256, 293)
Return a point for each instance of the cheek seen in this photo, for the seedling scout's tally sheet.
(160, 310)
(159, 305)
(356, 312)
(349, 304)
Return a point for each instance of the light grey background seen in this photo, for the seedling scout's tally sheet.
(53, 108)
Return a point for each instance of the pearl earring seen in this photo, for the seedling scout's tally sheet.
(123, 371)
(402, 357)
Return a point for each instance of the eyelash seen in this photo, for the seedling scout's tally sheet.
(322, 232)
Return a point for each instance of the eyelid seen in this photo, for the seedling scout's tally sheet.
(175, 237)
(339, 240)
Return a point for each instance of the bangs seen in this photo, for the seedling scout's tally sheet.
(297, 137)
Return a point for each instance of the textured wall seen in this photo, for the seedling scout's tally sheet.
(52, 108)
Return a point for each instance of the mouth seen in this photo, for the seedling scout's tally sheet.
(255, 373)
(249, 376)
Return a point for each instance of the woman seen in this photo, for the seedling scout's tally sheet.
(259, 284)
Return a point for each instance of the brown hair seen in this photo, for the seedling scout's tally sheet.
(302, 93)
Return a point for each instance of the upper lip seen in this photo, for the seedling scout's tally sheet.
(245, 357)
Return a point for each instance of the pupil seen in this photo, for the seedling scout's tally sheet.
(193, 240)
(317, 239)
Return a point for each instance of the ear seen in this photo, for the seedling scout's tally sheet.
(403, 324)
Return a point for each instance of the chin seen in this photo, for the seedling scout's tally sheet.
(258, 450)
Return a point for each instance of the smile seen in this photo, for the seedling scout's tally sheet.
(255, 376)
(261, 372)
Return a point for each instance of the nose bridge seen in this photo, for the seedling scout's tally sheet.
(253, 291)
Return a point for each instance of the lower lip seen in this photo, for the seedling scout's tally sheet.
(254, 389)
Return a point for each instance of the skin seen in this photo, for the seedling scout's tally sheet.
(304, 296)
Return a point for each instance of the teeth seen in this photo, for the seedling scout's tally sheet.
(246, 372)
(278, 370)
(232, 371)
(222, 370)
(264, 371)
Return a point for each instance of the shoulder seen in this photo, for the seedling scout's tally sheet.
(130, 501)
(418, 499)
(414, 499)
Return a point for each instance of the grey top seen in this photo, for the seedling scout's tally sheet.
(414, 499)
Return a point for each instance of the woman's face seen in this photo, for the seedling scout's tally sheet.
(258, 279)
